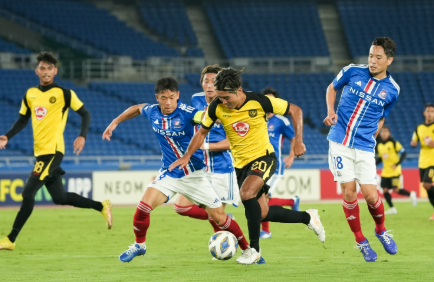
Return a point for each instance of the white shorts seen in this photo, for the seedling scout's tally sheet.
(196, 187)
(349, 164)
(273, 182)
(226, 186)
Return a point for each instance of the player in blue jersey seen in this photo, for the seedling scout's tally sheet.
(369, 93)
(218, 158)
(279, 127)
(173, 123)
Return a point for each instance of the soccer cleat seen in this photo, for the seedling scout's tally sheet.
(392, 210)
(133, 251)
(6, 244)
(432, 217)
(264, 235)
(315, 224)
(260, 261)
(368, 254)
(107, 213)
(387, 241)
(249, 256)
(296, 206)
(413, 198)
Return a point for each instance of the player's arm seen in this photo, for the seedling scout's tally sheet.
(414, 139)
(401, 151)
(19, 125)
(290, 159)
(129, 113)
(297, 119)
(380, 126)
(332, 117)
(222, 145)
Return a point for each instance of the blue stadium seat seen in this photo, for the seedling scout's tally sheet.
(10, 47)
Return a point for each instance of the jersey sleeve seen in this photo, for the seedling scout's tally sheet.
(146, 110)
(24, 110)
(343, 77)
(415, 136)
(387, 109)
(210, 115)
(276, 105)
(288, 131)
(399, 148)
(195, 103)
(76, 104)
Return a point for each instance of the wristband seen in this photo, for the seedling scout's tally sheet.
(206, 146)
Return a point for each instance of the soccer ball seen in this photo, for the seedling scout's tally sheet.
(223, 245)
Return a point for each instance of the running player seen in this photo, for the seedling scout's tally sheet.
(368, 96)
(218, 158)
(425, 134)
(243, 116)
(392, 154)
(173, 123)
(279, 127)
(47, 105)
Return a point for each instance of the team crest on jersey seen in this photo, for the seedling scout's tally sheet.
(53, 100)
(382, 94)
(242, 128)
(271, 127)
(177, 123)
(253, 113)
(40, 112)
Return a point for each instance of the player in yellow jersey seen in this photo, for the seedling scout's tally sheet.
(243, 116)
(391, 153)
(424, 134)
(47, 106)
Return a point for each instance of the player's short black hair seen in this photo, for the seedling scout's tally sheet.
(270, 90)
(228, 79)
(47, 57)
(388, 45)
(385, 126)
(166, 83)
(428, 105)
(210, 69)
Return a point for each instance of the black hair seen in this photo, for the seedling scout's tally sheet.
(210, 69)
(47, 57)
(428, 105)
(388, 45)
(228, 79)
(166, 83)
(270, 90)
(386, 127)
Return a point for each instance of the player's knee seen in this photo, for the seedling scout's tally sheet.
(371, 198)
(426, 185)
(246, 195)
(396, 190)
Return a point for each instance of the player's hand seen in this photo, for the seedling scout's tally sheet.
(299, 148)
(109, 131)
(288, 161)
(331, 119)
(431, 143)
(79, 144)
(413, 143)
(180, 163)
(393, 166)
(3, 142)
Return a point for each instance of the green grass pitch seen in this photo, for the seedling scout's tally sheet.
(66, 244)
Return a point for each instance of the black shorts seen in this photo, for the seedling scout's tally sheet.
(390, 182)
(263, 167)
(46, 166)
(427, 174)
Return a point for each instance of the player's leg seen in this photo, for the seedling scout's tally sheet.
(61, 197)
(152, 198)
(265, 225)
(427, 178)
(386, 184)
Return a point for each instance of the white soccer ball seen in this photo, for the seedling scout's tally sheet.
(223, 245)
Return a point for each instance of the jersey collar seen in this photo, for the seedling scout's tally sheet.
(387, 73)
(45, 88)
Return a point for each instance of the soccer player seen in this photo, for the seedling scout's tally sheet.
(47, 106)
(392, 154)
(368, 96)
(279, 127)
(425, 134)
(173, 123)
(218, 158)
(243, 116)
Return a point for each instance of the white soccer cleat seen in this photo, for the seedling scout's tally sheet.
(249, 256)
(315, 224)
(391, 211)
(413, 198)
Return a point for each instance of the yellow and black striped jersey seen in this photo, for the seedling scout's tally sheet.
(246, 127)
(48, 107)
(425, 133)
(389, 150)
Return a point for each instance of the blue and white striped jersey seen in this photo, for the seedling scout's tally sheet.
(216, 161)
(278, 128)
(174, 133)
(364, 101)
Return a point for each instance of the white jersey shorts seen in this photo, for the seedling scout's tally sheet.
(196, 187)
(226, 186)
(273, 182)
(349, 164)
